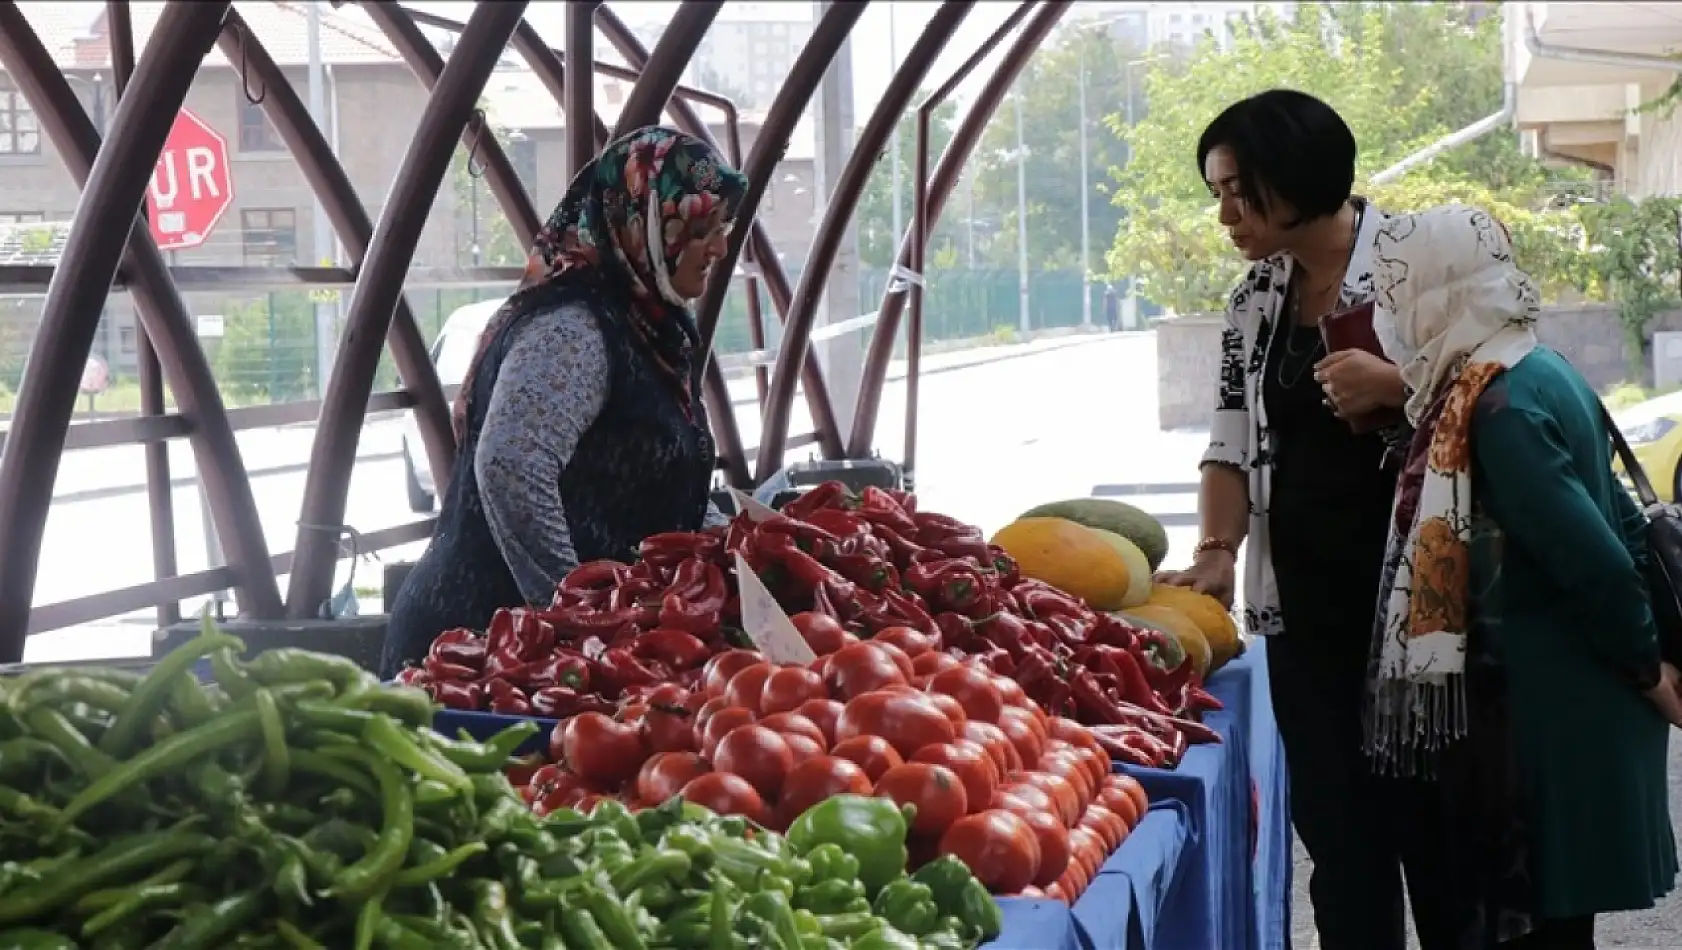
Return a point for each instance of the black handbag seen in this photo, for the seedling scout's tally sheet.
(1664, 548)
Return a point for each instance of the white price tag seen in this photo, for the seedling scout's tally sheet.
(765, 622)
(745, 503)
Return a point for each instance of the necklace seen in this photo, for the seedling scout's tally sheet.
(1293, 361)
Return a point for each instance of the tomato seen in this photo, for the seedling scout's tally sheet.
(1078, 735)
(912, 642)
(716, 674)
(560, 792)
(1012, 796)
(815, 779)
(973, 689)
(820, 665)
(907, 720)
(667, 773)
(1063, 764)
(900, 657)
(998, 847)
(788, 723)
(1053, 840)
(823, 633)
(588, 801)
(1131, 786)
(1105, 824)
(970, 762)
(722, 724)
(667, 694)
(524, 768)
(950, 707)
(823, 713)
(631, 712)
(1118, 801)
(597, 749)
(802, 746)
(874, 754)
(725, 794)
(934, 790)
(932, 662)
(1009, 690)
(858, 668)
(1024, 733)
(1053, 893)
(788, 687)
(1074, 881)
(993, 739)
(668, 728)
(1061, 792)
(1097, 768)
(706, 712)
(747, 687)
(1087, 849)
(757, 754)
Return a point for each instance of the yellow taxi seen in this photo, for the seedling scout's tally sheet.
(1653, 430)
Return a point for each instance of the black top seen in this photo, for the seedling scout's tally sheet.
(1329, 505)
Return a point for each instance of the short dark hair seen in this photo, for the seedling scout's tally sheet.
(1289, 144)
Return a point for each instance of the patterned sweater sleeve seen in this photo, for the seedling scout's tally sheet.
(552, 386)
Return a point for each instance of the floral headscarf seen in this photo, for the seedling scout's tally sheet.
(616, 237)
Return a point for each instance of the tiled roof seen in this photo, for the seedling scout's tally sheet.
(75, 32)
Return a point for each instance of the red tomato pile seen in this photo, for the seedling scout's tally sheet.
(1026, 799)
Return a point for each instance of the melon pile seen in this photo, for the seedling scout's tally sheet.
(1105, 552)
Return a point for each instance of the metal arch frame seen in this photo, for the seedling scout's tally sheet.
(327, 178)
(939, 188)
(390, 251)
(114, 187)
(843, 204)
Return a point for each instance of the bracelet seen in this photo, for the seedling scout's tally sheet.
(1212, 543)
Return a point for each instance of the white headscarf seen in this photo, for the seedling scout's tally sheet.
(1447, 289)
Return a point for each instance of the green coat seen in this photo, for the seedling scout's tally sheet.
(1569, 608)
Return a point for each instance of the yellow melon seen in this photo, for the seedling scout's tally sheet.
(1213, 619)
(1183, 628)
(1069, 557)
(1138, 567)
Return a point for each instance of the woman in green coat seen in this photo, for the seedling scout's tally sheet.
(1513, 542)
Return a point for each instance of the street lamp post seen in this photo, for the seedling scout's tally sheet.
(1022, 219)
(1085, 212)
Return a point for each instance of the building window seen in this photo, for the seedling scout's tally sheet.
(19, 132)
(522, 154)
(270, 236)
(22, 217)
(125, 341)
(256, 134)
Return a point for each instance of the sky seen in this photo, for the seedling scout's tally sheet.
(872, 65)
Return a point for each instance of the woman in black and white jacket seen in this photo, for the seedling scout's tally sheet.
(1287, 474)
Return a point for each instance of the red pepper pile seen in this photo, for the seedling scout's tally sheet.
(871, 561)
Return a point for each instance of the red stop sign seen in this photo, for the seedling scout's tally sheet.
(192, 185)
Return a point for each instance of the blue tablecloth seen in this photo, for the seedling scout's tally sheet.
(1235, 886)
(1036, 925)
(1119, 911)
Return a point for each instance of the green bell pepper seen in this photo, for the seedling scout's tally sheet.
(872, 830)
(848, 926)
(909, 906)
(885, 938)
(834, 896)
(958, 894)
(830, 863)
(768, 915)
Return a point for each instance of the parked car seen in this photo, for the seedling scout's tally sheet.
(451, 353)
(1653, 430)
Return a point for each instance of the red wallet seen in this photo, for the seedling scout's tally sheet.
(1352, 330)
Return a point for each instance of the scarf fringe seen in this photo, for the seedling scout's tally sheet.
(1409, 723)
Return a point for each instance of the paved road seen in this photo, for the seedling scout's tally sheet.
(995, 438)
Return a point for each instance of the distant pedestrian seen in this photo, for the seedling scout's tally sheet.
(1112, 308)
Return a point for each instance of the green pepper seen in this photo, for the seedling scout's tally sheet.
(383, 733)
(406, 704)
(209, 928)
(291, 665)
(26, 755)
(959, 894)
(947, 939)
(833, 896)
(32, 939)
(873, 830)
(581, 932)
(53, 726)
(188, 704)
(165, 757)
(773, 909)
(885, 938)
(722, 935)
(442, 866)
(122, 859)
(154, 691)
(490, 909)
(675, 812)
(277, 758)
(615, 921)
(849, 926)
(831, 863)
(909, 906)
(376, 868)
(653, 866)
(138, 900)
(225, 667)
(69, 688)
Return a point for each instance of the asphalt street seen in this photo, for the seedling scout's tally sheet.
(995, 437)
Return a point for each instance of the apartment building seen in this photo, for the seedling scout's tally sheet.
(749, 50)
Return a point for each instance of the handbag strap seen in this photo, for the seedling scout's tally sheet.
(1632, 468)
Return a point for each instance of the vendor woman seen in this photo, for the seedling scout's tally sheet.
(580, 425)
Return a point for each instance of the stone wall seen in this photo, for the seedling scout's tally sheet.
(1188, 355)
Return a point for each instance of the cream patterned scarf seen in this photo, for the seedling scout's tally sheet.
(1454, 312)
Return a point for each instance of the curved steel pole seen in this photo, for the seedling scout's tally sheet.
(423, 60)
(770, 268)
(964, 140)
(550, 68)
(580, 93)
(843, 201)
(327, 178)
(378, 286)
(665, 65)
(116, 177)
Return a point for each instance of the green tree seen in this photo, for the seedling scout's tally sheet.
(875, 215)
(1050, 89)
(267, 350)
(478, 215)
(1402, 76)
